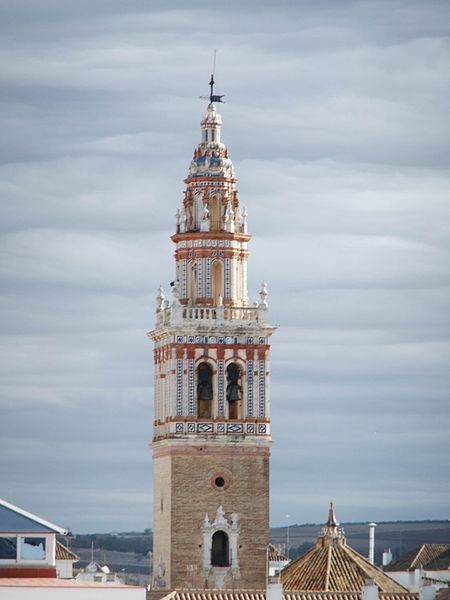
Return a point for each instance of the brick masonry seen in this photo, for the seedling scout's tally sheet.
(184, 493)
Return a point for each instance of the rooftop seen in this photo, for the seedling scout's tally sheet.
(261, 595)
(332, 566)
(16, 520)
(63, 553)
(434, 557)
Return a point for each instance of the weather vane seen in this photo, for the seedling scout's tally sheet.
(212, 96)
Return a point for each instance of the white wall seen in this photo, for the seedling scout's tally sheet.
(64, 569)
(72, 593)
(414, 580)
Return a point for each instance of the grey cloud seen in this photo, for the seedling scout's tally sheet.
(336, 122)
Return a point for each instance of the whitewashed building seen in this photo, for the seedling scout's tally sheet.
(427, 564)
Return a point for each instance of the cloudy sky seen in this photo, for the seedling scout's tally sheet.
(337, 121)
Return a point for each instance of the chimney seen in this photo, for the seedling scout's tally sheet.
(427, 592)
(387, 557)
(372, 542)
(370, 590)
(274, 589)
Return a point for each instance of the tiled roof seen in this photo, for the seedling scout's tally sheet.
(275, 553)
(261, 595)
(332, 566)
(429, 556)
(346, 596)
(63, 553)
(216, 595)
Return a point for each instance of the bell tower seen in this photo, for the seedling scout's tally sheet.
(211, 441)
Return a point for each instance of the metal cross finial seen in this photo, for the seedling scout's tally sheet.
(214, 97)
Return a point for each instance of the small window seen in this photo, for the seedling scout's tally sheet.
(220, 482)
(213, 135)
(219, 550)
(32, 548)
(8, 548)
(206, 135)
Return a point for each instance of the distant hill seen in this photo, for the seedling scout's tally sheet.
(129, 551)
(399, 536)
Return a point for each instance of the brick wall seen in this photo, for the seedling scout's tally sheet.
(184, 493)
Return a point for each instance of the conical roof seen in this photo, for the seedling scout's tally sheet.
(332, 566)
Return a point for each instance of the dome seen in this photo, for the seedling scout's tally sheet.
(332, 566)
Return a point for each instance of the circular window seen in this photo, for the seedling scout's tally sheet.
(220, 481)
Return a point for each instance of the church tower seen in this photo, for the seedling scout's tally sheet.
(211, 442)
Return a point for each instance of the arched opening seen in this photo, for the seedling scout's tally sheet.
(234, 391)
(204, 391)
(192, 282)
(220, 550)
(216, 217)
(217, 281)
(198, 211)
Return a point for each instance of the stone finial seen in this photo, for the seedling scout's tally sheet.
(263, 294)
(160, 298)
(183, 220)
(244, 220)
(332, 521)
(220, 517)
(332, 530)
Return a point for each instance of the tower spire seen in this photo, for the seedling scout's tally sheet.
(332, 531)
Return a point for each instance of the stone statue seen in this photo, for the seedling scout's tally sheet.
(183, 220)
(160, 299)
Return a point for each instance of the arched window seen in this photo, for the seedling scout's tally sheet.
(204, 391)
(217, 281)
(198, 211)
(192, 282)
(219, 550)
(234, 391)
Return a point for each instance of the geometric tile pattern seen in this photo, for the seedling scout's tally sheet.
(179, 386)
(262, 388)
(220, 377)
(250, 388)
(191, 387)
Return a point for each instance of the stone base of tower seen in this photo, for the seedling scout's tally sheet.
(210, 514)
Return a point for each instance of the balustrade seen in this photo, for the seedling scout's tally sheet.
(188, 314)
